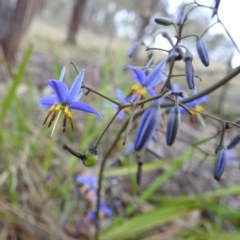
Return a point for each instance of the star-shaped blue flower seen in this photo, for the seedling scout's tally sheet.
(124, 100)
(104, 209)
(192, 104)
(64, 100)
(147, 82)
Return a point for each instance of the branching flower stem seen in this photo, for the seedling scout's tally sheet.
(106, 128)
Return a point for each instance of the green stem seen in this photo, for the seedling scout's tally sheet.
(235, 45)
(160, 49)
(106, 128)
(208, 28)
(167, 83)
(130, 123)
(183, 75)
(191, 35)
(101, 95)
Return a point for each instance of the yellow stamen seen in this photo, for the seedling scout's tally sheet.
(69, 116)
(143, 93)
(199, 108)
(49, 113)
(58, 107)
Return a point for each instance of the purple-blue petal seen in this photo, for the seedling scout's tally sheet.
(48, 101)
(84, 107)
(106, 210)
(151, 92)
(60, 89)
(62, 74)
(121, 96)
(141, 77)
(121, 115)
(74, 95)
(155, 76)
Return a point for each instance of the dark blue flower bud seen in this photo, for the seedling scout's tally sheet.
(172, 126)
(202, 51)
(133, 48)
(189, 71)
(163, 21)
(181, 17)
(147, 126)
(220, 163)
(234, 142)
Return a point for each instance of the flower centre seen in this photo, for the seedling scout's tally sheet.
(53, 112)
(138, 91)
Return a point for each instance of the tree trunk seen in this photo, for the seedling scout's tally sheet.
(17, 25)
(76, 20)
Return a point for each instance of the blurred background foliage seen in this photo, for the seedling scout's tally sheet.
(40, 199)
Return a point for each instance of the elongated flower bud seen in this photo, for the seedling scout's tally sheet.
(202, 51)
(91, 157)
(181, 17)
(163, 21)
(133, 48)
(220, 163)
(234, 142)
(189, 71)
(147, 126)
(172, 126)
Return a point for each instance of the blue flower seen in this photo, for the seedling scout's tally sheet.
(64, 100)
(124, 100)
(193, 104)
(104, 209)
(89, 181)
(147, 82)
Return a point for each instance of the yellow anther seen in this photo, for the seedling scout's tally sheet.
(58, 107)
(66, 110)
(136, 88)
(198, 108)
(52, 108)
(143, 93)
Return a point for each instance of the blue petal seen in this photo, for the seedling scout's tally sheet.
(60, 89)
(106, 210)
(84, 107)
(74, 95)
(121, 96)
(155, 76)
(141, 77)
(62, 74)
(48, 101)
(151, 92)
(121, 115)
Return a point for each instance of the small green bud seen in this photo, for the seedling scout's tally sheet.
(163, 21)
(91, 157)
